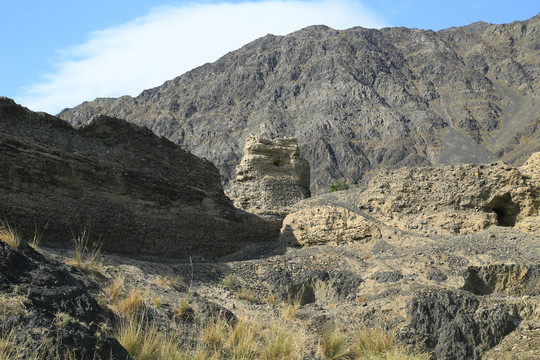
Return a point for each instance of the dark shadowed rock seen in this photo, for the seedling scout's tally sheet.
(132, 191)
(457, 325)
(356, 100)
(57, 313)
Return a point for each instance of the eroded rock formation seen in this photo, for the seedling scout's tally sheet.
(459, 199)
(132, 191)
(271, 176)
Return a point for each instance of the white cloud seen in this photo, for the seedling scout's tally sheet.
(169, 41)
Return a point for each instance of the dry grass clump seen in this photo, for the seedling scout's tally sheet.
(12, 304)
(281, 341)
(334, 345)
(231, 282)
(61, 319)
(246, 294)
(10, 236)
(124, 303)
(372, 344)
(183, 306)
(366, 344)
(144, 341)
(8, 346)
(115, 288)
(84, 258)
(290, 309)
(130, 304)
(246, 340)
(166, 281)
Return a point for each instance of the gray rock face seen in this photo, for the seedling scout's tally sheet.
(271, 176)
(356, 100)
(131, 190)
(457, 325)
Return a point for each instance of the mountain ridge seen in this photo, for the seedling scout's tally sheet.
(357, 99)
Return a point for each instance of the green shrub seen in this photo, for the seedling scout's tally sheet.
(338, 185)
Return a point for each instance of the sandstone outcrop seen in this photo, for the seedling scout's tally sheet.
(357, 100)
(320, 224)
(271, 176)
(132, 191)
(459, 199)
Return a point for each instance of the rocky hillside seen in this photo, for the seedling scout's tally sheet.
(357, 100)
(455, 272)
(130, 190)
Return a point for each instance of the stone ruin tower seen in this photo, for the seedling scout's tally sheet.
(271, 176)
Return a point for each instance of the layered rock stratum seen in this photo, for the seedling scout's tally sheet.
(130, 190)
(356, 100)
(271, 176)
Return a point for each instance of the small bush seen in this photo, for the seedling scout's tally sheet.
(338, 185)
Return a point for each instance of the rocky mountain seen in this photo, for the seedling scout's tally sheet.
(130, 190)
(357, 100)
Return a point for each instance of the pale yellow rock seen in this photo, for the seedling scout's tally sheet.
(323, 224)
(271, 176)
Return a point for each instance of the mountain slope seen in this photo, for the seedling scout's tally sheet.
(357, 99)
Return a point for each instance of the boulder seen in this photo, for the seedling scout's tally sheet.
(321, 224)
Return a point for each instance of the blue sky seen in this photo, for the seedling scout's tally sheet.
(59, 53)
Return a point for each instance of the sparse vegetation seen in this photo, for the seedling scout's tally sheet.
(62, 319)
(36, 239)
(130, 304)
(184, 304)
(246, 294)
(115, 288)
(334, 345)
(12, 304)
(290, 309)
(166, 281)
(10, 236)
(84, 258)
(338, 185)
(369, 344)
(231, 282)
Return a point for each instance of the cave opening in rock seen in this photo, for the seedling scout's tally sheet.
(505, 209)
